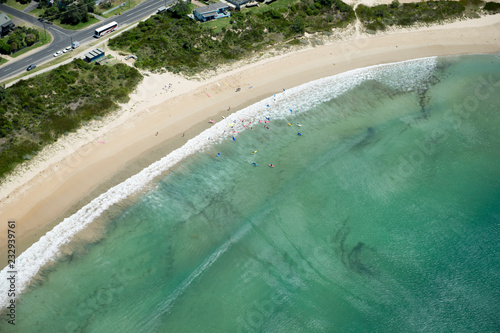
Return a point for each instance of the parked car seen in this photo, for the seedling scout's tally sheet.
(69, 48)
(30, 67)
(58, 53)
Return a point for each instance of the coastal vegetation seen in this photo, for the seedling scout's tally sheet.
(35, 112)
(396, 14)
(177, 43)
(492, 7)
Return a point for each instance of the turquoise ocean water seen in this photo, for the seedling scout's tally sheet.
(382, 216)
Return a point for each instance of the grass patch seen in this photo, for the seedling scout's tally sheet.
(36, 12)
(79, 26)
(281, 5)
(217, 25)
(294, 42)
(36, 111)
(110, 4)
(16, 5)
(115, 12)
(3, 61)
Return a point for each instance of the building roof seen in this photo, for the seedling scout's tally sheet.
(211, 8)
(4, 19)
(238, 2)
(94, 53)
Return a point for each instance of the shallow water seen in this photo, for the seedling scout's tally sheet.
(382, 215)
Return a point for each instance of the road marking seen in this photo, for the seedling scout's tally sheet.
(61, 32)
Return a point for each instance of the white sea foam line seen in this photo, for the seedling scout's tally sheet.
(166, 305)
(47, 249)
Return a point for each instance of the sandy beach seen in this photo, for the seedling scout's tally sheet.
(167, 110)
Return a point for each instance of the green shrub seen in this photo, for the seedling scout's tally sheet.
(375, 25)
(493, 7)
(18, 39)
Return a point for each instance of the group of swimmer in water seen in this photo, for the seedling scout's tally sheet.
(250, 123)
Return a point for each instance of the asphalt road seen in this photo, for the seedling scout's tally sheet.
(62, 38)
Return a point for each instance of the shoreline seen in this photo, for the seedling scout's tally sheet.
(80, 167)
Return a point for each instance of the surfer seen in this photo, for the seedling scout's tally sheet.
(254, 151)
(254, 164)
(271, 165)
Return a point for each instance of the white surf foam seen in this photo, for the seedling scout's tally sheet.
(47, 249)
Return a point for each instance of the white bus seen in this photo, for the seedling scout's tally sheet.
(106, 29)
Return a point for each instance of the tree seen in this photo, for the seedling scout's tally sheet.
(181, 9)
(3, 95)
(299, 25)
(75, 14)
(326, 3)
(50, 13)
(90, 5)
(30, 39)
(4, 47)
(13, 47)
